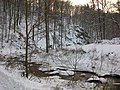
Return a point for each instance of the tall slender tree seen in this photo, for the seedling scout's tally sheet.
(26, 49)
(46, 26)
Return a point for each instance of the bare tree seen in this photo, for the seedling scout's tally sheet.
(26, 49)
(46, 26)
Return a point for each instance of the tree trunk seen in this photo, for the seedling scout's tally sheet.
(46, 26)
(26, 50)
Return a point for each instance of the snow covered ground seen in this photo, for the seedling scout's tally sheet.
(12, 81)
(101, 58)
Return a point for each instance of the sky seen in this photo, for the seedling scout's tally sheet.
(77, 2)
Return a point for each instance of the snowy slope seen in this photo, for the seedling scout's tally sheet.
(104, 57)
(12, 81)
(7, 83)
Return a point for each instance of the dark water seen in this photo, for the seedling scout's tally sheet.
(113, 82)
(112, 88)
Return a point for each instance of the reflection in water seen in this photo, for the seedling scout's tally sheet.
(115, 87)
(113, 83)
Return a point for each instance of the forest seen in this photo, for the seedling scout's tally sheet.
(41, 39)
